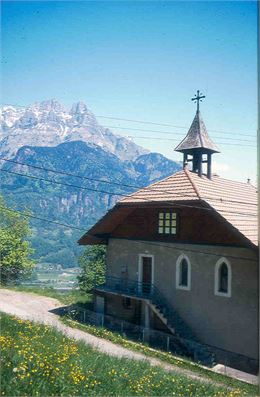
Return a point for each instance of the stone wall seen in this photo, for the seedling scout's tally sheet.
(229, 323)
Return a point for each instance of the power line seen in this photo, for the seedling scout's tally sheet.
(153, 123)
(104, 181)
(120, 194)
(177, 140)
(68, 173)
(42, 219)
(138, 242)
(170, 125)
(171, 133)
(61, 183)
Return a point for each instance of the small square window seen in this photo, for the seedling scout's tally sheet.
(167, 223)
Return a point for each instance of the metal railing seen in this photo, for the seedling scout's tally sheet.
(162, 340)
(151, 293)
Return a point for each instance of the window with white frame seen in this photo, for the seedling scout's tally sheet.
(223, 277)
(167, 222)
(183, 273)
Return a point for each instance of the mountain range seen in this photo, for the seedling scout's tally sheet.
(48, 123)
(101, 166)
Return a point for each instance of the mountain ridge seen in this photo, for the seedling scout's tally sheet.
(48, 123)
(72, 141)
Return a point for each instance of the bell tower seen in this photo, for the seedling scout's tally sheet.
(197, 147)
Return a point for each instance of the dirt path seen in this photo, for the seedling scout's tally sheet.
(37, 308)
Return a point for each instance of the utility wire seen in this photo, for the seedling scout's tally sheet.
(143, 137)
(173, 133)
(69, 174)
(177, 140)
(119, 194)
(107, 182)
(153, 123)
(42, 219)
(62, 183)
(172, 125)
(138, 242)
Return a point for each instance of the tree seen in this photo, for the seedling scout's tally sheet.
(93, 267)
(15, 250)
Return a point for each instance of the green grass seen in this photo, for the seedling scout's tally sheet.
(39, 361)
(67, 298)
(114, 337)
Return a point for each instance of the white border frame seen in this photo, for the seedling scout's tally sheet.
(140, 267)
(178, 264)
(217, 266)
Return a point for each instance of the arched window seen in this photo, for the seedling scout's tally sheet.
(183, 272)
(223, 278)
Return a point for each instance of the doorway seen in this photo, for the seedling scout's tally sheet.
(146, 273)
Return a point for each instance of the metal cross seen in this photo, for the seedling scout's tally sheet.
(198, 98)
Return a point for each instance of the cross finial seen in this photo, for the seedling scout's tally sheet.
(198, 98)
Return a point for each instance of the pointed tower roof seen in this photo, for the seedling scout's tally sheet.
(197, 137)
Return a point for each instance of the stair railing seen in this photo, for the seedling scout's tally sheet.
(152, 293)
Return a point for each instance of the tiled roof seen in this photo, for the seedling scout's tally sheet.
(197, 137)
(234, 201)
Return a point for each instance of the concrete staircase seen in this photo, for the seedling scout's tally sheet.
(186, 339)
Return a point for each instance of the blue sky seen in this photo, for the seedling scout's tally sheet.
(144, 61)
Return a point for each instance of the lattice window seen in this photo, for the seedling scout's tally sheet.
(167, 223)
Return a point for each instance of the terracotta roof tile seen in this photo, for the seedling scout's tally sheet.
(175, 187)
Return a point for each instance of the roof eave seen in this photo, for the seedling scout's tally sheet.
(191, 149)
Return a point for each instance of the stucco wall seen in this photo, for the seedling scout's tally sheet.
(227, 323)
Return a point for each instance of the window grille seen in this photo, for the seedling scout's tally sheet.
(167, 223)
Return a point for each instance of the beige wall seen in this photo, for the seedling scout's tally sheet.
(227, 323)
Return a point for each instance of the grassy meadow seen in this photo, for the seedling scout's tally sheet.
(36, 360)
(168, 357)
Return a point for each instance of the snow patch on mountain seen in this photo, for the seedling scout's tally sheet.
(49, 123)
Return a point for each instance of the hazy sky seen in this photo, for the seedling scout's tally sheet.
(144, 61)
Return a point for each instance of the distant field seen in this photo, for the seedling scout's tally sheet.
(39, 361)
(55, 278)
(69, 297)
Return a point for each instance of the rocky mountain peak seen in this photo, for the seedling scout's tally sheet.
(47, 106)
(49, 123)
(79, 108)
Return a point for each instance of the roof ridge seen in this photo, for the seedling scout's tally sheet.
(199, 122)
(187, 172)
(231, 180)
